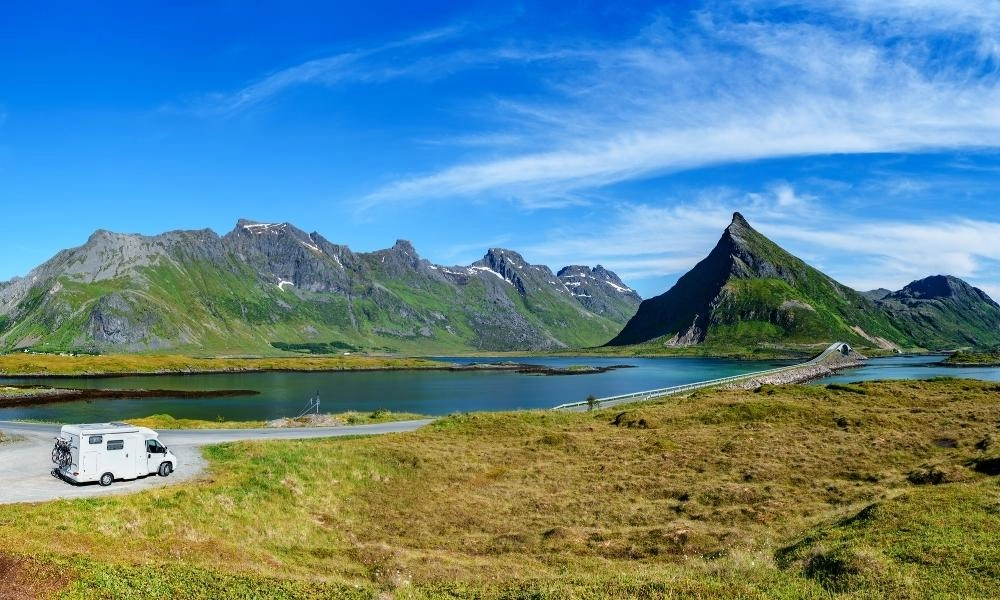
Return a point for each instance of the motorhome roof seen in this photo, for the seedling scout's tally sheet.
(115, 427)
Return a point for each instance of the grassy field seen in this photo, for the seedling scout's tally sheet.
(344, 418)
(26, 364)
(880, 489)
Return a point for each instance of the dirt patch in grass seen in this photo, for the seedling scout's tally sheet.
(987, 466)
(936, 474)
(28, 579)
(636, 419)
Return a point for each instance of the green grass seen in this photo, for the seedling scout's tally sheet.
(21, 364)
(794, 492)
(19, 392)
(965, 358)
(345, 418)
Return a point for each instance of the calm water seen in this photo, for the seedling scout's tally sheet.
(911, 367)
(425, 392)
(429, 392)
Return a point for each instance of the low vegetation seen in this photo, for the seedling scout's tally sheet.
(334, 347)
(17, 393)
(876, 489)
(28, 364)
(344, 418)
(987, 358)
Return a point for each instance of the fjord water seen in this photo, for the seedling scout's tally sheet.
(285, 394)
(911, 367)
(430, 392)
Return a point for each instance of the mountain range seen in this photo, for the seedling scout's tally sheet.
(267, 285)
(264, 287)
(750, 293)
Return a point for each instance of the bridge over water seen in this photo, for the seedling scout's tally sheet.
(839, 347)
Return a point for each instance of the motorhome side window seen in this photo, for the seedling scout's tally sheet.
(116, 444)
(153, 446)
(96, 439)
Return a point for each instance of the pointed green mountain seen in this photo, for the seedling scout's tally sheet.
(749, 292)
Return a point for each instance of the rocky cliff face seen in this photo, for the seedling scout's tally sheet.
(288, 254)
(272, 282)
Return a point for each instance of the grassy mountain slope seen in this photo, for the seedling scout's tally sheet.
(273, 283)
(944, 312)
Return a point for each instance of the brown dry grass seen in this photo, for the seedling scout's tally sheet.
(26, 364)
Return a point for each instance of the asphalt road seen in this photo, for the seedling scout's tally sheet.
(26, 464)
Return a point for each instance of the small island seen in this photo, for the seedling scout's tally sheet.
(965, 358)
(530, 369)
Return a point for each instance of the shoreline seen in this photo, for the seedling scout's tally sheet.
(39, 396)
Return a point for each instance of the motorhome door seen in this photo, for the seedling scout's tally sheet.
(155, 453)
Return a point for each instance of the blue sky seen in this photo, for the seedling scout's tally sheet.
(864, 136)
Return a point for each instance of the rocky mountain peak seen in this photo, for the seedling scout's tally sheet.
(246, 226)
(405, 247)
(739, 221)
(573, 270)
(740, 237)
(937, 287)
(101, 234)
(501, 255)
(507, 264)
(876, 294)
(577, 275)
(601, 291)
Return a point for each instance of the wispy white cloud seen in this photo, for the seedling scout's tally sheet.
(427, 56)
(724, 89)
(329, 70)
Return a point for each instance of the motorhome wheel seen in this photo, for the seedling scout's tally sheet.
(106, 479)
(164, 469)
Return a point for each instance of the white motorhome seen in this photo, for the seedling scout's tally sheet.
(104, 452)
